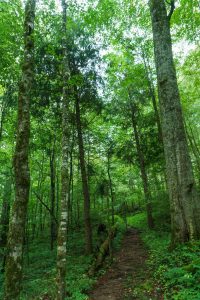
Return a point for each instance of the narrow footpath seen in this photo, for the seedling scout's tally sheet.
(127, 274)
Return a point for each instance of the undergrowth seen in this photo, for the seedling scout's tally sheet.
(39, 278)
(176, 272)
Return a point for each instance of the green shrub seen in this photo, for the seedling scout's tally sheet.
(177, 271)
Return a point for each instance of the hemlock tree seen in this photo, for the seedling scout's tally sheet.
(13, 276)
(185, 205)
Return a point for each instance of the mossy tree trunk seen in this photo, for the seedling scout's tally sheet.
(104, 250)
(185, 204)
(62, 231)
(13, 270)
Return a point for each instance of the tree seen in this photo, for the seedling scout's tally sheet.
(13, 275)
(5, 215)
(184, 201)
(53, 196)
(62, 232)
(143, 171)
(86, 193)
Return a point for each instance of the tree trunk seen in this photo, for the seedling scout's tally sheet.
(111, 190)
(62, 232)
(13, 275)
(70, 200)
(34, 221)
(53, 198)
(57, 193)
(5, 213)
(86, 194)
(2, 110)
(194, 148)
(143, 171)
(185, 210)
(193, 144)
(4, 220)
(153, 96)
(4, 105)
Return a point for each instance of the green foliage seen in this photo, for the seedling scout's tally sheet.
(40, 270)
(161, 211)
(177, 271)
(111, 56)
(40, 267)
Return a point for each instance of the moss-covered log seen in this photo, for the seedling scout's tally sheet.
(104, 250)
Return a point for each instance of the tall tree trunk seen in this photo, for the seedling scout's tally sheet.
(2, 116)
(57, 193)
(53, 197)
(185, 210)
(13, 275)
(152, 95)
(143, 171)
(70, 200)
(194, 148)
(3, 108)
(62, 232)
(34, 220)
(86, 194)
(4, 220)
(111, 188)
(194, 139)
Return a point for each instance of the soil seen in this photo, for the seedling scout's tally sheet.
(128, 277)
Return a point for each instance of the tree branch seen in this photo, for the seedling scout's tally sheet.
(47, 208)
(172, 4)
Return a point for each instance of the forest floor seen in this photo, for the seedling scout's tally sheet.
(128, 276)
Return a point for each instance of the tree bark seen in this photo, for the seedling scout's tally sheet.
(62, 232)
(194, 148)
(4, 220)
(2, 110)
(13, 275)
(153, 96)
(4, 106)
(143, 171)
(70, 200)
(5, 213)
(185, 210)
(53, 197)
(111, 188)
(86, 194)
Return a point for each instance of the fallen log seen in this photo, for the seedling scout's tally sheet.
(104, 250)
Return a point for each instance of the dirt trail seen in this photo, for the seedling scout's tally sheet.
(126, 273)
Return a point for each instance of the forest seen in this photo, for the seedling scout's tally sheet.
(99, 150)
